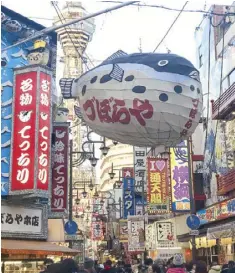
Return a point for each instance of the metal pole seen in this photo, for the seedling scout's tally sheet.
(143, 208)
(191, 194)
(53, 28)
(71, 185)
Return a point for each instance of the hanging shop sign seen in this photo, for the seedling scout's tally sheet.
(97, 230)
(219, 211)
(59, 189)
(165, 234)
(180, 178)
(31, 127)
(140, 154)
(136, 233)
(149, 243)
(128, 197)
(123, 231)
(24, 221)
(163, 108)
(158, 199)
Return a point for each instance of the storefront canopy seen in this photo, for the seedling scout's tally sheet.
(34, 247)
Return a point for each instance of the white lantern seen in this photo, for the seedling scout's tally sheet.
(139, 99)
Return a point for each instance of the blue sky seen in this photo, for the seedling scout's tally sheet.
(123, 29)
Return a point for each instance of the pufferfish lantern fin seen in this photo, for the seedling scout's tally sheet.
(117, 72)
(115, 55)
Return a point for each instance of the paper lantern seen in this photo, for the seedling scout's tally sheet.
(142, 99)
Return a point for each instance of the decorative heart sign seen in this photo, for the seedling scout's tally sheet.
(160, 164)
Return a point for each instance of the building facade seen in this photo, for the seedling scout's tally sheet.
(121, 156)
(216, 62)
(28, 96)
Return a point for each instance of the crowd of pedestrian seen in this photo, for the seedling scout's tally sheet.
(174, 265)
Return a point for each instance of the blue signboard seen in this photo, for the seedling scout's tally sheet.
(10, 59)
(193, 222)
(71, 227)
(128, 197)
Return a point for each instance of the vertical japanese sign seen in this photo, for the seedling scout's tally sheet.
(158, 200)
(180, 178)
(123, 231)
(140, 154)
(31, 137)
(136, 233)
(97, 230)
(59, 194)
(44, 129)
(165, 234)
(128, 193)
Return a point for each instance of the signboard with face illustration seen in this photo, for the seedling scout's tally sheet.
(31, 137)
(60, 161)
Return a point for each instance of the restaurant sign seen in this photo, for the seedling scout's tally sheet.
(180, 178)
(219, 211)
(31, 131)
(21, 221)
(140, 154)
(136, 234)
(158, 199)
(60, 162)
(123, 231)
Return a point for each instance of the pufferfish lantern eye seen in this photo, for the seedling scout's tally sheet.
(162, 62)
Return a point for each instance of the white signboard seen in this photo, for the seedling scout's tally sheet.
(17, 221)
(165, 234)
(140, 154)
(136, 234)
(167, 253)
(74, 237)
(194, 232)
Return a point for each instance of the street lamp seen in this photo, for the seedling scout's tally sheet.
(117, 184)
(96, 194)
(84, 193)
(111, 173)
(115, 142)
(104, 149)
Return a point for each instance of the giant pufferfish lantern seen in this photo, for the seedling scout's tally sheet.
(142, 99)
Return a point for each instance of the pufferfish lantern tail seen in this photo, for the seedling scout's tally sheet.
(67, 86)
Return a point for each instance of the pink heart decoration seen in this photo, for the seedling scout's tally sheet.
(160, 165)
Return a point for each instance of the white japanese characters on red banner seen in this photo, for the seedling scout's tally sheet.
(140, 154)
(59, 198)
(31, 136)
(136, 233)
(20, 221)
(44, 139)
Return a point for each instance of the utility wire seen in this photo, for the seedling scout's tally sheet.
(171, 26)
(171, 9)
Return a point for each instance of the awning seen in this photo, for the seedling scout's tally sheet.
(221, 231)
(35, 247)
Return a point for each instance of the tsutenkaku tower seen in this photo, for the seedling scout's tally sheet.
(74, 40)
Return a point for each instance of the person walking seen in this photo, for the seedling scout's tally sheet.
(215, 268)
(177, 264)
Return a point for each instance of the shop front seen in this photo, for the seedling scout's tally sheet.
(216, 239)
(24, 236)
(162, 242)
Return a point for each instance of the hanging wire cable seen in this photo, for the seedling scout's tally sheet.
(221, 81)
(171, 26)
(171, 9)
(208, 86)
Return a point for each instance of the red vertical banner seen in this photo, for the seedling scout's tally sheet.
(23, 132)
(158, 184)
(97, 230)
(59, 194)
(44, 131)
